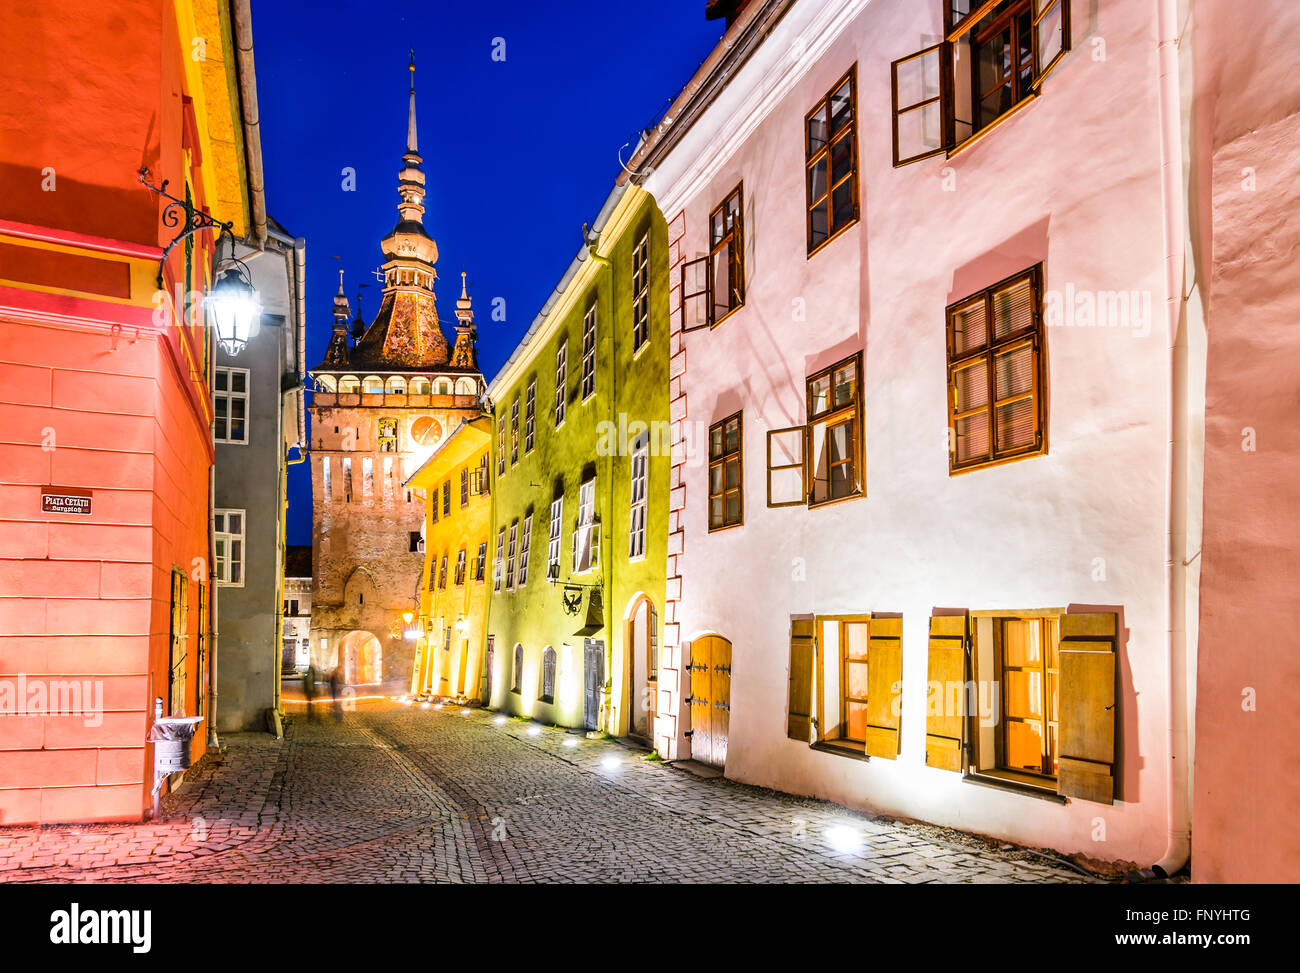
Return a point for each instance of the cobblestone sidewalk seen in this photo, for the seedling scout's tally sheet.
(408, 794)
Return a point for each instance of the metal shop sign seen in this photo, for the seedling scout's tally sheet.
(65, 500)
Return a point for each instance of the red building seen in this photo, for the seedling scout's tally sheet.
(105, 564)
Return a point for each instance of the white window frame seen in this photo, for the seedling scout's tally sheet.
(589, 353)
(553, 543)
(586, 536)
(640, 481)
(525, 541)
(499, 567)
(561, 381)
(641, 293)
(231, 547)
(229, 396)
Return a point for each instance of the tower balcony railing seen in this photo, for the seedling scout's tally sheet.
(393, 400)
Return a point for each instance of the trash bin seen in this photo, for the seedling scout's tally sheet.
(171, 737)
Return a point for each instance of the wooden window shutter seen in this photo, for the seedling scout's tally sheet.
(884, 683)
(1087, 707)
(695, 294)
(945, 715)
(799, 706)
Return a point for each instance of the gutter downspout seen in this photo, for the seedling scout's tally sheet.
(1178, 848)
(214, 584)
(242, 15)
(607, 477)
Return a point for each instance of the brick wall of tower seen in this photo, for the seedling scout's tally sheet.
(364, 573)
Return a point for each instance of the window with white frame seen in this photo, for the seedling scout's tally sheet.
(514, 431)
(510, 556)
(553, 541)
(499, 568)
(640, 477)
(228, 526)
(586, 537)
(641, 292)
(530, 412)
(589, 354)
(525, 541)
(230, 405)
(326, 485)
(561, 380)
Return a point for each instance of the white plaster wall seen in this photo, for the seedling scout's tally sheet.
(1074, 181)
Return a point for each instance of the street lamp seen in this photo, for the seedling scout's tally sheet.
(232, 302)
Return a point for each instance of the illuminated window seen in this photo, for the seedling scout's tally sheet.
(510, 556)
(514, 431)
(388, 435)
(726, 485)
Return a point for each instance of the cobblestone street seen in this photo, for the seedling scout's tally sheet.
(405, 794)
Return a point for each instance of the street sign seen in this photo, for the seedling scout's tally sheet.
(65, 500)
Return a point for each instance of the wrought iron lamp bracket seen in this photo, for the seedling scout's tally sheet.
(180, 213)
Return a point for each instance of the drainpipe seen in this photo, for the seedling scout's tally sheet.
(242, 15)
(1178, 810)
(213, 584)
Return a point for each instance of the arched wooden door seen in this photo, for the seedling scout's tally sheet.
(710, 696)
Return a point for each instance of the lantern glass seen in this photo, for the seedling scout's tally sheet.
(232, 302)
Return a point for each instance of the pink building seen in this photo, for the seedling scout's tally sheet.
(939, 414)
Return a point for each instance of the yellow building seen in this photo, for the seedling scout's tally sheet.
(453, 595)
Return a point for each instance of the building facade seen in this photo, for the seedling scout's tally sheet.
(926, 359)
(296, 640)
(456, 482)
(580, 415)
(106, 365)
(381, 404)
(1243, 176)
(260, 426)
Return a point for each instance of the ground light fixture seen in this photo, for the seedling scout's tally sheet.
(611, 763)
(570, 742)
(843, 838)
(534, 731)
(500, 721)
(464, 712)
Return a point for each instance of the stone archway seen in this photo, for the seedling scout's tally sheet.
(362, 657)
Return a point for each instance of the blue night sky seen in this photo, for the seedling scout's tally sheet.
(517, 154)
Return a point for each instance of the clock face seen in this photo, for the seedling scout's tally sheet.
(426, 431)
